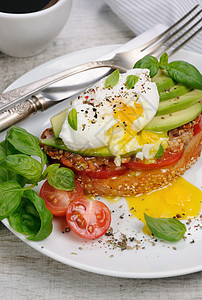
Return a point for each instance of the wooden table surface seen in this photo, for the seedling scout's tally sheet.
(26, 273)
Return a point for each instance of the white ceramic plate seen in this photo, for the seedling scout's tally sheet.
(150, 259)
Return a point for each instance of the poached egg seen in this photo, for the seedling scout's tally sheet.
(115, 117)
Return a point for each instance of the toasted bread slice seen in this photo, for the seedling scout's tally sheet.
(139, 182)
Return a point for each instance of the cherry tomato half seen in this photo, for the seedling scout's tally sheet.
(166, 160)
(105, 172)
(57, 201)
(89, 219)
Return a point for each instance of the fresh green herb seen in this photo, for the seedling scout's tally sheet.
(25, 210)
(25, 143)
(148, 62)
(163, 62)
(131, 80)
(11, 194)
(45, 216)
(168, 229)
(25, 219)
(23, 165)
(32, 218)
(2, 150)
(113, 79)
(180, 71)
(6, 175)
(61, 178)
(3, 175)
(72, 118)
(159, 153)
(185, 73)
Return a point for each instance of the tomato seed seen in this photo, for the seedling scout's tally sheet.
(55, 200)
(90, 228)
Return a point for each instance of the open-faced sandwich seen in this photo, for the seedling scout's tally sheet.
(130, 133)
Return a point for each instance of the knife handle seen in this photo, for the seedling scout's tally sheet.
(24, 109)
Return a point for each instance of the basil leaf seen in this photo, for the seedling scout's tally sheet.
(3, 174)
(10, 198)
(23, 165)
(6, 175)
(2, 150)
(159, 153)
(44, 214)
(163, 60)
(185, 73)
(16, 177)
(62, 179)
(168, 229)
(131, 80)
(50, 169)
(72, 118)
(25, 219)
(148, 62)
(25, 143)
(113, 79)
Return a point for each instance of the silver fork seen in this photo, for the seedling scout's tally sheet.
(164, 42)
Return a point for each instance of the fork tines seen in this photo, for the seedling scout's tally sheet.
(182, 31)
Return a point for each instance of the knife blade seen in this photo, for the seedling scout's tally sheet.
(56, 93)
(68, 88)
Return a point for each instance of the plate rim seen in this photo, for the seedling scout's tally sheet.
(71, 263)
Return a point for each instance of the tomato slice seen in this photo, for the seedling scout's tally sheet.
(166, 160)
(198, 127)
(57, 201)
(89, 219)
(105, 172)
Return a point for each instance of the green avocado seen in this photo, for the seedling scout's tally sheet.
(57, 121)
(174, 120)
(58, 143)
(52, 142)
(163, 81)
(171, 114)
(179, 103)
(175, 91)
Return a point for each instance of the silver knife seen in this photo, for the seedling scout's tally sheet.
(65, 89)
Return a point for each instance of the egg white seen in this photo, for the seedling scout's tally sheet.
(96, 118)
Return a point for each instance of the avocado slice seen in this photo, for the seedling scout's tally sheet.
(163, 81)
(55, 143)
(57, 121)
(102, 151)
(179, 103)
(175, 91)
(174, 120)
(58, 143)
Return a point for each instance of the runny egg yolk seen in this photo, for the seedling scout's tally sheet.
(148, 137)
(125, 137)
(127, 114)
(180, 199)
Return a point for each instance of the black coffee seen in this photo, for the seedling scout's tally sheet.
(24, 6)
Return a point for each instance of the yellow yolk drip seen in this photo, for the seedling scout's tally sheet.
(127, 114)
(180, 199)
(149, 137)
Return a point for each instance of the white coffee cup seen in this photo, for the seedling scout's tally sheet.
(27, 34)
